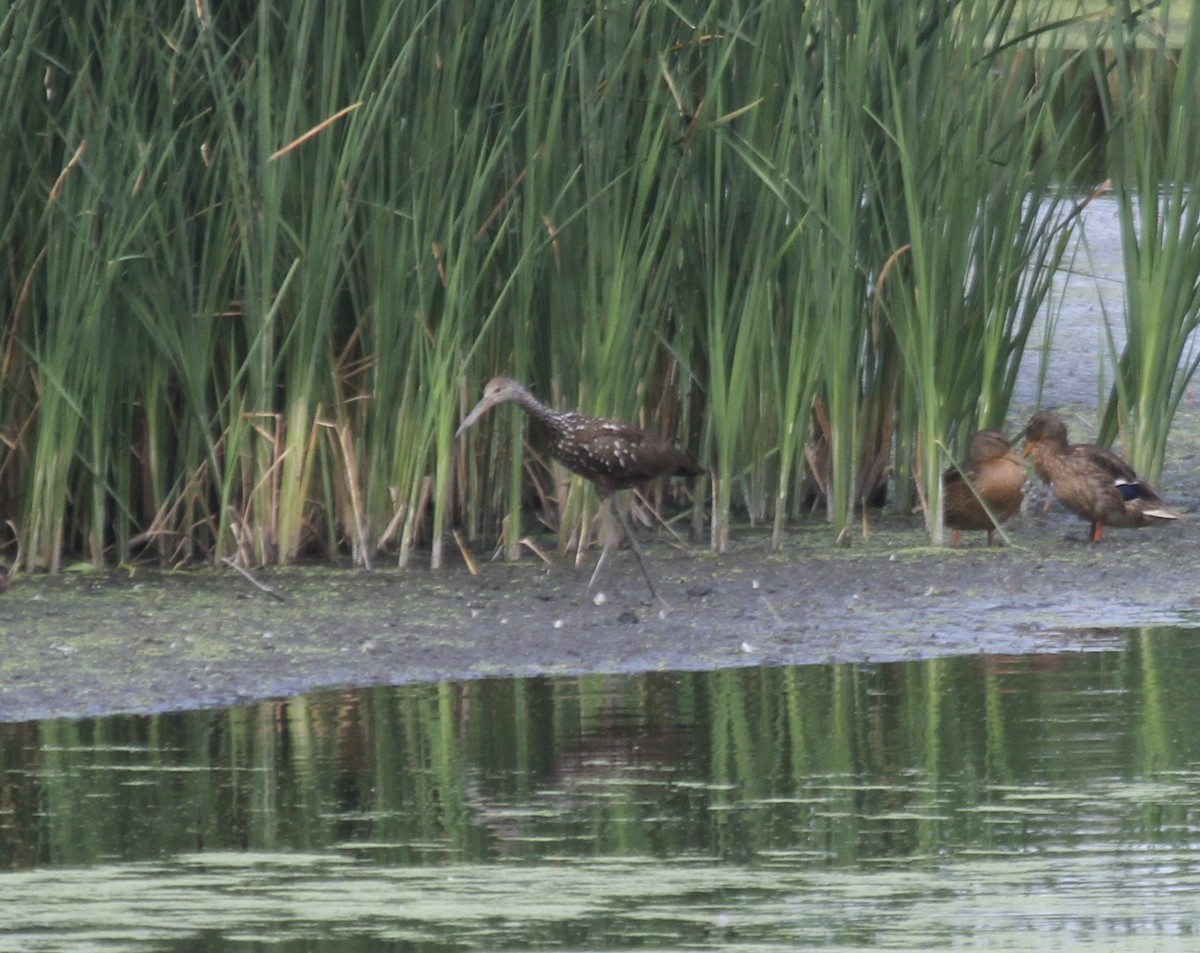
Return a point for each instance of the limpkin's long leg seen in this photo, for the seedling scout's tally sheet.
(613, 541)
(609, 535)
(636, 546)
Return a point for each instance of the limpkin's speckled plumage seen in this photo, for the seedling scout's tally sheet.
(1091, 481)
(993, 478)
(611, 454)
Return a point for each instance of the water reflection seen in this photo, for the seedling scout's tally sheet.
(1031, 802)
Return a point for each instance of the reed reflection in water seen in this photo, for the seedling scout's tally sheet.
(999, 801)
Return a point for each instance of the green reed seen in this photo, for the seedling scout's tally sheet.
(1150, 87)
(852, 344)
(758, 352)
(977, 217)
(933, 221)
(255, 275)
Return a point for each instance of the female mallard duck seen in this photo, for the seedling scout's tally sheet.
(991, 484)
(1091, 481)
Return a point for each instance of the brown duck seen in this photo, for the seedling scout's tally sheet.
(1091, 481)
(611, 454)
(991, 484)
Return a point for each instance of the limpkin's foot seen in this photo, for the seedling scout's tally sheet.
(613, 541)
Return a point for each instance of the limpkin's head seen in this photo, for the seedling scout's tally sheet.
(499, 390)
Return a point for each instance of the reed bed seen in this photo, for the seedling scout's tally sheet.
(260, 259)
(1153, 80)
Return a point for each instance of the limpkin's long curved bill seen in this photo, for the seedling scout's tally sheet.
(476, 412)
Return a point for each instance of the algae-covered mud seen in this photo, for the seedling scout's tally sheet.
(153, 641)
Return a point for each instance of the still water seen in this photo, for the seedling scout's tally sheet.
(1047, 802)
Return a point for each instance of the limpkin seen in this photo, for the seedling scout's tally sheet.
(611, 454)
(986, 490)
(1091, 481)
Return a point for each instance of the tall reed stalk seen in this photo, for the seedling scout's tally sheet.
(976, 210)
(1149, 87)
(934, 214)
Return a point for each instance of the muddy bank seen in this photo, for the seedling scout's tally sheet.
(155, 641)
(151, 640)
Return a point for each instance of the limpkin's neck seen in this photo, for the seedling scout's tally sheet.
(555, 422)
